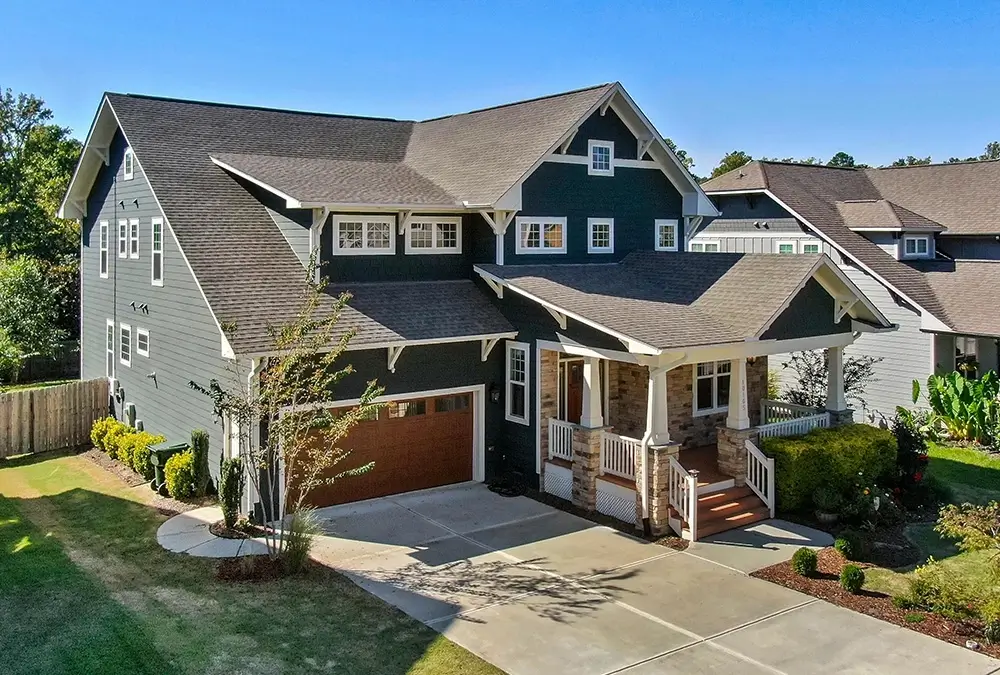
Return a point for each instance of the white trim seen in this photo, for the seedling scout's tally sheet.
(290, 201)
(714, 377)
(123, 237)
(111, 351)
(916, 239)
(803, 243)
(748, 191)
(128, 167)
(665, 222)
(104, 255)
(703, 243)
(133, 238)
(122, 327)
(365, 220)
(486, 346)
(541, 222)
(755, 234)
(779, 244)
(139, 333)
(594, 144)
(576, 349)
(394, 353)
(525, 349)
(154, 252)
(619, 162)
(538, 407)
(591, 222)
(407, 223)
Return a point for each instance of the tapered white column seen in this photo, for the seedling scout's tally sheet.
(835, 398)
(590, 416)
(739, 415)
(657, 424)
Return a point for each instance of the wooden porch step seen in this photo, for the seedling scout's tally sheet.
(726, 510)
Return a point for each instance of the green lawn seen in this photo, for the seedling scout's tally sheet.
(86, 589)
(972, 476)
(32, 385)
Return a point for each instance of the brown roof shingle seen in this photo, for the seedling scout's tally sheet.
(969, 289)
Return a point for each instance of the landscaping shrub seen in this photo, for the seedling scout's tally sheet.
(298, 542)
(934, 590)
(914, 617)
(902, 602)
(232, 482)
(179, 473)
(804, 562)
(852, 578)
(851, 544)
(968, 409)
(99, 432)
(136, 448)
(199, 446)
(833, 458)
(991, 631)
(826, 499)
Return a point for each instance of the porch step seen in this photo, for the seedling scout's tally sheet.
(725, 510)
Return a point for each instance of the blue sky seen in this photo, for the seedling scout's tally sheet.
(877, 79)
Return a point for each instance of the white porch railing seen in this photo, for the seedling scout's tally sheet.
(618, 455)
(780, 411)
(682, 492)
(760, 475)
(795, 427)
(560, 440)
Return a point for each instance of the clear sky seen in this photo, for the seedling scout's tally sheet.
(878, 79)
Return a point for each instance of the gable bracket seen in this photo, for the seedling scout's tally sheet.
(606, 105)
(319, 217)
(842, 308)
(497, 288)
(81, 204)
(642, 146)
(404, 220)
(102, 152)
(487, 346)
(558, 316)
(564, 146)
(498, 220)
(394, 353)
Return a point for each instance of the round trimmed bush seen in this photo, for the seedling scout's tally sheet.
(850, 544)
(804, 562)
(179, 473)
(852, 578)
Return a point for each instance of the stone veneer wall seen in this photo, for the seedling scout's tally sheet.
(548, 406)
(628, 385)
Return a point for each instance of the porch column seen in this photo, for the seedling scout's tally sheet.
(836, 400)
(590, 416)
(739, 415)
(656, 409)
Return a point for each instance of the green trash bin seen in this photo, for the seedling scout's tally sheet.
(158, 456)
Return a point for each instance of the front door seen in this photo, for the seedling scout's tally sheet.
(574, 391)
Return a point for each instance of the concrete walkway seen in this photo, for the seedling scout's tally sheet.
(537, 591)
(188, 533)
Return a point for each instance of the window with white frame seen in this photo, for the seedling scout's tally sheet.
(666, 235)
(434, 235)
(602, 158)
(156, 252)
(123, 238)
(786, 247)
(142, 342)
(711, 387)
(967, 356)
(600, 235)
(103, 241)
(364, 235)
(128, 164)
(541, 235)
(133, 238)
(110, 348)
(704, 246)
(517, 382)
(810, 247)
(125, 345)
(916, 246)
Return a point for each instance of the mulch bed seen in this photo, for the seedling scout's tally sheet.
(250, 568)
(165, 506)
(826, 585)
(242, 530)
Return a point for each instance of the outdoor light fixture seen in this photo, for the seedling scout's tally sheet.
(494, 394)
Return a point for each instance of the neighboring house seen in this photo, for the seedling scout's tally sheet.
(514, 274)
(923, 242)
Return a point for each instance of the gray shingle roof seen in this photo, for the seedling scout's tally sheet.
(724, 225)
(670, 300)
(969, 289)
(881, 213)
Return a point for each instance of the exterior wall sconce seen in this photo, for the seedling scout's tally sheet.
(494, 394)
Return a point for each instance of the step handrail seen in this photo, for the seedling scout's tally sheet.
(760, 475)
(682, 494)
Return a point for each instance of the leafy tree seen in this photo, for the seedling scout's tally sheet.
(910, 160)
(732, 160)
(29, 306)
(302, 436)
(977, 528)
(841, 159)
(792, 160)
(992, 151)
(11, 357)
(811, 369)
(686, 159)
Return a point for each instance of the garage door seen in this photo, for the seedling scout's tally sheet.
(414, 444)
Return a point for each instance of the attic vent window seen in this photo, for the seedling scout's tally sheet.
(602, 158)
(128, 164)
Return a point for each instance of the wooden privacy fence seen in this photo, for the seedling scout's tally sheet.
(35, 420)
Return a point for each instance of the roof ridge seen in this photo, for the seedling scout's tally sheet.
(935, 164)
(521, 102)
(762, 162)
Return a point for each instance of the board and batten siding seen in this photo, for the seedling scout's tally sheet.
(184, 340)
(751, 242)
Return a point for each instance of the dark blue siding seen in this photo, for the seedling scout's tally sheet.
(970, 248)
(607, 127)
(809, 314)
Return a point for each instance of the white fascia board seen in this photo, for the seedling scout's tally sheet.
(854, 291)
(349, 207)
(754, 348)
(86, 158)
(290, 202)
(748, 191)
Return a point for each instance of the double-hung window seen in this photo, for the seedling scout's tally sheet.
(665, 232)
(600, 235)
(786, 247)
(123, 238)
(541, 235)
(156, 252)
(434, 235)
(810, 247)
(110, 348)
(128, 164)
(711, 387)
(142, 342)
(125, 345)
(364, 235)
(704, 246)
(133, 238)
(517, 382)
(103, 234)
(916, 247)
(602, 158)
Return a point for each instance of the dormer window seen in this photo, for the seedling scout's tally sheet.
(602, 158)
(364, 235)
(128, 164)
(916, 247)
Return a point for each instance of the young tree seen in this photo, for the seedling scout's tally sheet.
(29, 306)
(910, 160)
(811, 370)
(303, 438)
(841, 159)
(732, 160)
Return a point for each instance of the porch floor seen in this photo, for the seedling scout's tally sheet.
(705, 460)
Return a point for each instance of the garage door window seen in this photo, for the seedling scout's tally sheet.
(451, 403)
(407, 409)
(517, 382)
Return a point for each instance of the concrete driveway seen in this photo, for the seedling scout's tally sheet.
(535, 590)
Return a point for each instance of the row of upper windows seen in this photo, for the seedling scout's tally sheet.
(128, 245)
(548, 235)
(126, 344)
(375, 235)
(714, 246)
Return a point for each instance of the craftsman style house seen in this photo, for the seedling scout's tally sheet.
(518, 289)
(923, 242)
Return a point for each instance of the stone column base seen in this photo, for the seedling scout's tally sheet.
(658, 465)
(586, 466)
(839, 418)
(733, 452)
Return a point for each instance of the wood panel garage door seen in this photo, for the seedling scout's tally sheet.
(415, 444)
